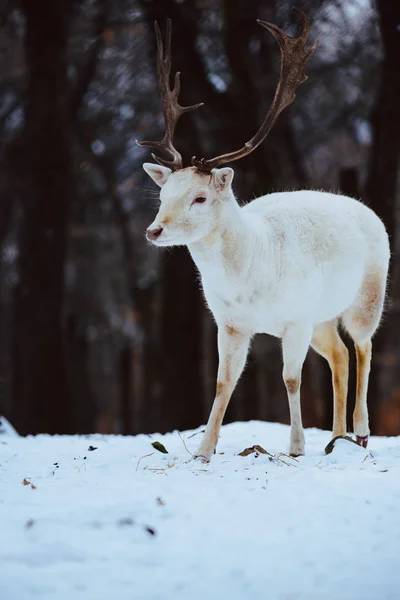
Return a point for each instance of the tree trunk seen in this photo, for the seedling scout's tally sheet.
(6, 206)
(382, 180)
(41, 401)
(83, 405)
(181, 348)
(381, 191)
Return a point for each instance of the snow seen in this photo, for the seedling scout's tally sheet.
(114, 524)
(6, 428)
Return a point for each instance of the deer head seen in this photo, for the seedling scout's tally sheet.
(192, 198)
(191, 203)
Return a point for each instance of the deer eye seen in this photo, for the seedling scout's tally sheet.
(200, 199)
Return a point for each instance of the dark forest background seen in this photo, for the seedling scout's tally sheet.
(99, 331)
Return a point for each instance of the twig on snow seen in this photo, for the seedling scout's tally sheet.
(145, 456)
(284, 461)
(195, 433)
(184, 443)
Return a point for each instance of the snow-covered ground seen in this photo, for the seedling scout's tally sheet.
(113, 524)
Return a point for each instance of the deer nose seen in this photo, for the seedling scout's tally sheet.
(153, 234)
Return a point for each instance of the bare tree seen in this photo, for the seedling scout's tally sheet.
(41, 394)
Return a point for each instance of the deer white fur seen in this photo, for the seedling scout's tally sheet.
(291, 264)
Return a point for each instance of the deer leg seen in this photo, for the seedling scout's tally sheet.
(232, 349)
(360, 415)
(295, 343)
(328, 343)
(361, 321)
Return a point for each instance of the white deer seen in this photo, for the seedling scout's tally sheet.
(291, 264)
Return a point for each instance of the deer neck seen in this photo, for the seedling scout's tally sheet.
(224, 246)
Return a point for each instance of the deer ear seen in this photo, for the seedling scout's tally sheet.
(158, 173)
(222, 178)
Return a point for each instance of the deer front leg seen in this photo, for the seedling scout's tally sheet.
(295, 342)
(232, 350)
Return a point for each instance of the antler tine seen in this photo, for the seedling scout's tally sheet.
(293, 62)
(168, 37)
(169, 97)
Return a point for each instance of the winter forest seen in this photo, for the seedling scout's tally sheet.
(99, 331)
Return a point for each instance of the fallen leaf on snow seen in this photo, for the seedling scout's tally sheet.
(27, 482)
(158, 446)
(256, 449)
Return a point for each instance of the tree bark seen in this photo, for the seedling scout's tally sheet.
(381, 191)
(181, 348)
(382, 181)
(41, 402)
(6, 207)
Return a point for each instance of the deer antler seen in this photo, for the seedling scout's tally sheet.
(293, 61)
(169, 97)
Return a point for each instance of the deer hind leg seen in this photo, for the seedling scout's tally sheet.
(361, 321)
(233, 346)
(295, 343)
(327, 342)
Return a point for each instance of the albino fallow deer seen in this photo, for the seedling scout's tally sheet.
(290, 264)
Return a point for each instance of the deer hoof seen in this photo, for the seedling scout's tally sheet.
(201, 459)
(362, 440)
(297, 447)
